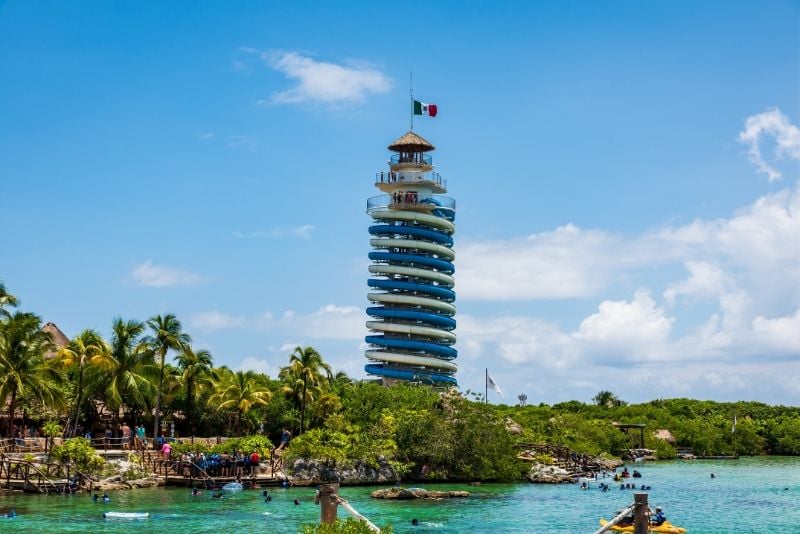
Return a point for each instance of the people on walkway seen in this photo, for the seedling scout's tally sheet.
(286, 437)
(126, 436)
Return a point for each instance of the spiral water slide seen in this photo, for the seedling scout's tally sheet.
(412, 293)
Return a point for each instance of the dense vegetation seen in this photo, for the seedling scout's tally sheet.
(148, 372)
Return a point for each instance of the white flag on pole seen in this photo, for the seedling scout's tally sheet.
(492, 384)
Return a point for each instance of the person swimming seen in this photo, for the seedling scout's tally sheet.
(95, 497)
(296, 502)
(12, 514)
(195, 492)
(415, 522)
(106, 498)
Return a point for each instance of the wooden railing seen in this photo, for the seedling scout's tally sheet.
(44, 477)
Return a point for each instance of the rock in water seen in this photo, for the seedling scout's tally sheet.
(548, 474)
(417, 493)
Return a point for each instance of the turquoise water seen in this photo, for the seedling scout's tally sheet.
(748, 495)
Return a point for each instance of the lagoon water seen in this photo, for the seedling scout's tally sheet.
(748, 495)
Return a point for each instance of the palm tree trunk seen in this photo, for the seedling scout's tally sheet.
(158, 400)
(190, 406)
(303, 408)
(78, 400)
(11, 405)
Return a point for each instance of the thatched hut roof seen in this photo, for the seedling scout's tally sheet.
(411, 142)
(59, 338)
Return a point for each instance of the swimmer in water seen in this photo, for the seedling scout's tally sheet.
(296, 502)
(414, 522)
(195, 492)
(106, 498)
(95, 497)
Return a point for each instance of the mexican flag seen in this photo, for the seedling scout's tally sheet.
(421, 108)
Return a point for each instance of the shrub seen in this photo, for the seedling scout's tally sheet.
(348, 526)
(79, 452)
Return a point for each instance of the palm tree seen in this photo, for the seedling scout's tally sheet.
(607, 399)
(6, 299)
(87, 349)
(23, 370)
(240, 390)
(167, 335)
(195, 367)
(133, 375)
(305, 373)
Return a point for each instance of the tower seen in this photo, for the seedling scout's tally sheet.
(411, 317)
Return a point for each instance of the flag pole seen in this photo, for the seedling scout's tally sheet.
(486, 389)
(411, 94)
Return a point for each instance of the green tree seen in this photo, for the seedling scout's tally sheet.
(240, 391)
(167, 334)
(303, 378)
(195, 367)
(51, 429)
(607, 399)
(133, 375)
(23, 370)
(87, 349)
(6, 300)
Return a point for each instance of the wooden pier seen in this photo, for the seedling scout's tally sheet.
(175, 472)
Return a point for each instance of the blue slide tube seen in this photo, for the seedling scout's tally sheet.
(433, 319)
(393, 229)
(403, 374)
(444, 352)
(429, 289)
(395, 258)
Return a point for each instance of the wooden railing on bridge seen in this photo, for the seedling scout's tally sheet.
(173, 466)
(43, 477)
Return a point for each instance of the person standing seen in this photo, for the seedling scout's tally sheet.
(126, 436)
(140, 434)
(286, 437)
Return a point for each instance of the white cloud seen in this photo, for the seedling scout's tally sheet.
(781, 335)
(618, 328)
(705, 280)
(215, 320)
(240, 66)
(774, 124)
(304, 231)
(324, 83)
(151, 275)
(328, 322)
(549, 265)
(260, 365)
(242, 141)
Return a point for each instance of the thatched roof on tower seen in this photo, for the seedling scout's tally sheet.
(411, 142)
(59, 338)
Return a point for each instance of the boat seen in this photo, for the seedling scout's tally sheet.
(665, 528)
(126, 515)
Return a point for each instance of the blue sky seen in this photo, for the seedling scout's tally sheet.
(626, 176)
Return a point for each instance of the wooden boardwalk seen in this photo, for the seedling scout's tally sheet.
(20, 474)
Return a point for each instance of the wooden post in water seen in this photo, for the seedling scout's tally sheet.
(328, 502)
(641, 515)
